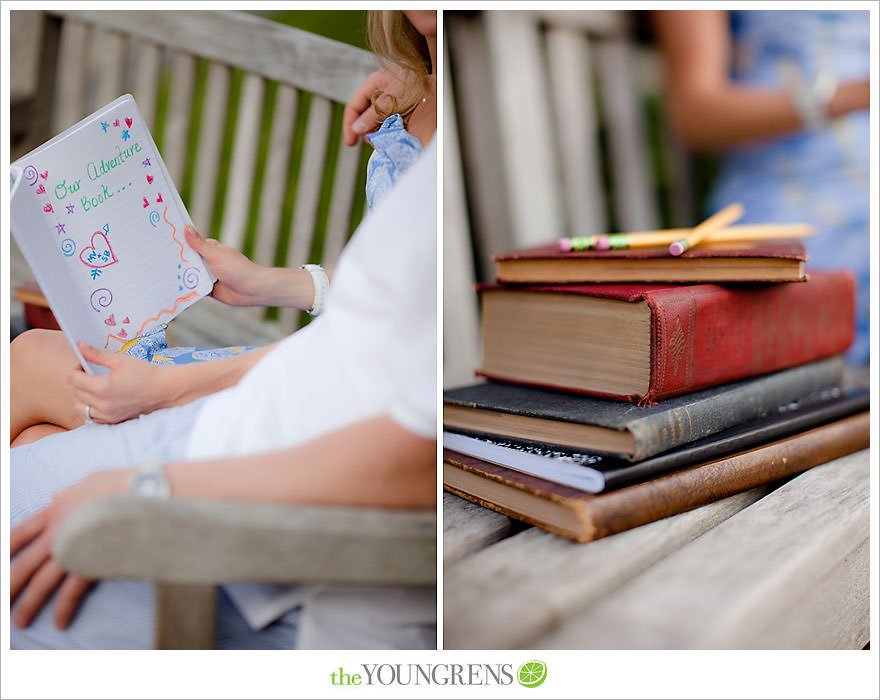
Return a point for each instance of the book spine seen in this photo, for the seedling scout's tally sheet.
(707, 335)
(684, 424)
(696, 486)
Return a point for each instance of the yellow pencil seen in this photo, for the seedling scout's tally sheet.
(720, 219)
(646, 239)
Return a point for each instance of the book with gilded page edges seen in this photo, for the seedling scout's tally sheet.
(650, 342)
(605, 426)
(582, 516)
(100, 222)
(754, 261)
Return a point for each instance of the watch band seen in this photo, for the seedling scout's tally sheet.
(811, 100)
(151, 481)
(321, 282)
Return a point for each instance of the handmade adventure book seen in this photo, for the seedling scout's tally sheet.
(597, 473)
(583, 516)
(650, 342)
(100, 223)
(747, 261)
(604, 426)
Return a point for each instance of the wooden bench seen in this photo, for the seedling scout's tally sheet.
(545, 137)
(247, 116)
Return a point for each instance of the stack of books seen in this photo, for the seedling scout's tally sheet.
(628, 384)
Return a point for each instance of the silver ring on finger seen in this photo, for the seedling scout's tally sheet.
(89, 418)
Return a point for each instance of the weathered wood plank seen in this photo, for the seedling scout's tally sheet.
(311, 62)
(107, 62)
(511, 593)
(633, 195)
(146, 60)
(468, 528)
(275, 180)
(183, 71)
(344, 181)
(209, 146)
(577, 130)
(604, 23)
(754, 581)
(25, 32)
(520, 82)
(241, 169)
(71, 77)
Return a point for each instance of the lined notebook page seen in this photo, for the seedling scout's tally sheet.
(101, 224)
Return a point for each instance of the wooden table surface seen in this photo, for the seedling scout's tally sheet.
(783, 567)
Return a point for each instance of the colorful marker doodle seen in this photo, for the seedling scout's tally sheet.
(123, 188)
(113, 337)
(149, 179)
(40, 189)
(159, 199)
(125, 135)
(155, 218)
(128, 122)
(48, 209)
(116, 123)
(110, 320)
(126, 320)
(95, 274)
(45, 174)
(68, 247)
(177, 302)
(30, 175)
(191, 277)
(173, 234)
(71, 208)
(146, 163)
(60, 227)
(101, 298)
(106, 228)
(146, 203)
(105, 126)
(123, 333)
(99, 253)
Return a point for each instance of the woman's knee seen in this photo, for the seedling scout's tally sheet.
(35, 347)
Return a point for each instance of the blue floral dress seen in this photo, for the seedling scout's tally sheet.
(395, 150)
(821, 176)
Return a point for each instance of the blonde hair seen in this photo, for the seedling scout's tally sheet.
(393, 37)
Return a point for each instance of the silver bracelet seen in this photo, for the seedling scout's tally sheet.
(321, 282)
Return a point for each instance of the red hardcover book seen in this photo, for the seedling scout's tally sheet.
(761, 261)
(650, 342)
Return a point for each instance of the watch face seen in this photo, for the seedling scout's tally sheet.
(149, 485)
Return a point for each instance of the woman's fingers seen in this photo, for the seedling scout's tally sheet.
(27, 563)
(98, 357)
(26, 531)
(70, 595)
(38, 591)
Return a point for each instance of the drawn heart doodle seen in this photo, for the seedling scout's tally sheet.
(149, 179)
(126, 320)
(128, 121)
(146, 203)
(40, 189)
(159, 199)
(111, 320)
(48, 209)
(99, 253)
(116, 123)
(123, 334)
(45, 174)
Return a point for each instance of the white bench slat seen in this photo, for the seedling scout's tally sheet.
(174, 142)
(753, 581)
(146, 59)
(308, 61)
(308, 191)
(633, 196)
(468, 528)
(210, 146)
(509, 594)
(275, 180)
(523, 123)
(577, 130)
(244, 155)
(461, 323)
(71, 76)
(344, 182)
(106, 63)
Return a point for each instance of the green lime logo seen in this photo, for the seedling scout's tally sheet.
(531, 674)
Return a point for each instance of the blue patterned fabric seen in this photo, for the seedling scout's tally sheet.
(395, 149)
(819, 177)
(153, 347)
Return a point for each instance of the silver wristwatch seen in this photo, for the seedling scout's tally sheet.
(151, 481)
(321, 282)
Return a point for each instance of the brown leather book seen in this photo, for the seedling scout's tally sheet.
(584, 517)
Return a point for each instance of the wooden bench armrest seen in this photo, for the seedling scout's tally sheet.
(180, 541)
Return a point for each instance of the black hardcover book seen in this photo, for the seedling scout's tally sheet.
(627, 430)
(603, 473)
